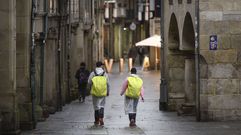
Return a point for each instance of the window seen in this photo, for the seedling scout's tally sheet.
(52, 6)
(170, 2)
(179, 1)
(158, 8)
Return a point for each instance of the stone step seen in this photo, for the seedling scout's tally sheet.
(186, 109)
(176, 95)
(188, 105)
(175, 100)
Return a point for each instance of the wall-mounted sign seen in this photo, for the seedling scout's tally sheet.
(133, 26)
(213, 44)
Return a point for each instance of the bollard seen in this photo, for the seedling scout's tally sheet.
(121, 65)
(108, 65)
(130, 64)
(146, 63)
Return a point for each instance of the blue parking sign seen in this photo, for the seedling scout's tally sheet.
(213, 44)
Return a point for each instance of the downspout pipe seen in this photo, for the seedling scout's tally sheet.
(197, 59)
(163, 101)
(42, 53)
(32, 62)
(68, 54)
(59, 84)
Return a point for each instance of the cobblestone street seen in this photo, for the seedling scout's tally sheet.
(77, 118)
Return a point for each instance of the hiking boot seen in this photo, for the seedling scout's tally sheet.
(96, 123)
(79, 99)
(132, 123)
(101, 122)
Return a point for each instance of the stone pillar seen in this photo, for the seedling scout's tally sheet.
(77, 55)
(129, 64)
(50, 78)
(121, 65)
(190, 80)
(8, 99)
(23, 31)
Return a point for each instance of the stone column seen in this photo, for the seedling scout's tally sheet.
(50, 78)
(23, 15)
(8, 99)
(190, 80)
(77, 55)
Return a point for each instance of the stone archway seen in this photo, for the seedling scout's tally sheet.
(175, 66)
(187, 47)
(188, 35)
(173, 33)
(181, 65)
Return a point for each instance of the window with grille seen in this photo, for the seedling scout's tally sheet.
(52, 6)
(179, 1)
(170, 2)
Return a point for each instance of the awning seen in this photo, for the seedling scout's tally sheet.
(153, 41)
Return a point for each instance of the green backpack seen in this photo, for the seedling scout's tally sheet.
(99, 85)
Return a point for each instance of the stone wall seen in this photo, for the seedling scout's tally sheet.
(220, 69)
(23, 26)
(8, 99)
(77, 56)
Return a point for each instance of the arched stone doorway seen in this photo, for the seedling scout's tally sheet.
(188, 35)
(175, 62)
(187, 47)
(181, 65)
(173, 34)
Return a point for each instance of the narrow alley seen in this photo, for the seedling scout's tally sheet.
(77, 118)
(194, 44)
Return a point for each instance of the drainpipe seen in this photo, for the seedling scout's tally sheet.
(163, 101)
(197, 59)
(32, 61)
(59, 91)
(68, 56)
(41, 68)
(43, 37)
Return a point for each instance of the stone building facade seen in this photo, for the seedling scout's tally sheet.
(214, 93)
(220, 68)
(42, 45)
(123, 28)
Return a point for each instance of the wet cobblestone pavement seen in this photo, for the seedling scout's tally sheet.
(77, 118)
